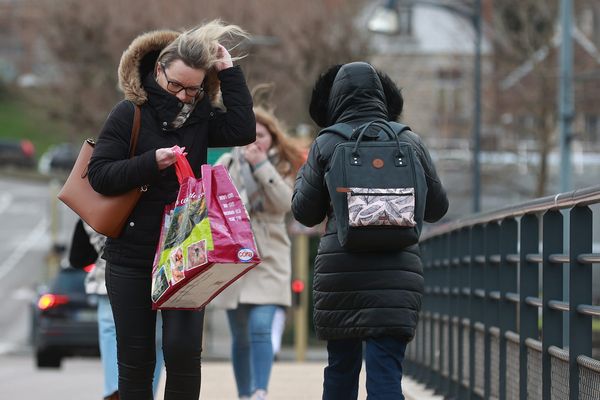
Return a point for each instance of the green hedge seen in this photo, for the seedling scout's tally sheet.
(18, 121)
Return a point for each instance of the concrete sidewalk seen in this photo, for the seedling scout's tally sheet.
(289, 381)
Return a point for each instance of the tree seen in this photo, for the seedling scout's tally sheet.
(522, 33)
(87, 39)
(526, 49)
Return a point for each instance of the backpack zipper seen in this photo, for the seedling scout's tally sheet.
(380, 194)
(355, 193)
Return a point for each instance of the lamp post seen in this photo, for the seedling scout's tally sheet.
(385, 20)
(566, 112)
(566, 93)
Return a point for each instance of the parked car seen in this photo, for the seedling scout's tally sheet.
(58, 158)
(64, 320)
(17, 152)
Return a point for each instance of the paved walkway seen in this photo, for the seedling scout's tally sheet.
(289, 381)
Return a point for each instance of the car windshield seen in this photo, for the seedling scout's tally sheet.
(69, 281)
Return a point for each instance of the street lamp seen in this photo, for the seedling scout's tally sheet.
(565, 97)
(385, 19)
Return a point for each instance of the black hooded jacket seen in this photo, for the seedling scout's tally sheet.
(112, 172)
(360, 294)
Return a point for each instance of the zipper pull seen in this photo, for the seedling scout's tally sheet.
(343, 190)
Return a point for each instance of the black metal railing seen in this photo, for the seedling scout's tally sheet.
(492, 320)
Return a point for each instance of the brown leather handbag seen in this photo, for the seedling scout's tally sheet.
(106, 214)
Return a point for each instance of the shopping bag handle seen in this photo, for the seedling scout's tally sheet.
(209, 173)
(183, 168)
(206, 171)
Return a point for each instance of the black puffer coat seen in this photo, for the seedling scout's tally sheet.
(360, 294)
(110, 170)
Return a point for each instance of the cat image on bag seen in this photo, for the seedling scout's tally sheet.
(197, 254)
(177, 265)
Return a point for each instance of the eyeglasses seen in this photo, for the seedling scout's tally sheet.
(176, 87)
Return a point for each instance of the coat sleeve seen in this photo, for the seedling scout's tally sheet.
(275, 187)
(82, 252)
(310, 200)
(437, 200)
(237, 125)
(96, 239)
(111, 171)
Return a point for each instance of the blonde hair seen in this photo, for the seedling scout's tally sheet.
(198, 48)
(289, 152)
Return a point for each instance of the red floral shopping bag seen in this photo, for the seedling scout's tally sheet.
(206, 241)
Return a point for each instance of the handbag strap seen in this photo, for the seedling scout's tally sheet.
(135, 129)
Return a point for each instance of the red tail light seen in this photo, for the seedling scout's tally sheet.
(27, 147)
(48, 301)
(297, 286)
(89, 268)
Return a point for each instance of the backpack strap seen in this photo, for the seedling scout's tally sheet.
(398, 127)
(346, 131)
(342, 129)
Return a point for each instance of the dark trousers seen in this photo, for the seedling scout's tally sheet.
(129, 294)
(383, 361)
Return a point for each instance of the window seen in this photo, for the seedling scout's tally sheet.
(405, 21)
(450, 92)
(592, 127)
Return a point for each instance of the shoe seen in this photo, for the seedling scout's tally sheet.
(260, 395)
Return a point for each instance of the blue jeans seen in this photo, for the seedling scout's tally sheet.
(383, 361)
(252, 349)
(108, 348)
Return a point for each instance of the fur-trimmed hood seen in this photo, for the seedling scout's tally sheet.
(140, 58)
(351, 91)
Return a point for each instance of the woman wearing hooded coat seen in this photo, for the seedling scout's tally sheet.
(177, 80)
(368, 296)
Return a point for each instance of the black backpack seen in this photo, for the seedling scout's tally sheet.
(377, 187)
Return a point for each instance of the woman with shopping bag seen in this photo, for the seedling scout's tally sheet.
(176, 79)
(263, 173)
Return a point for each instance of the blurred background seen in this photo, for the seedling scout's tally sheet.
(481, 81)
(58, 63)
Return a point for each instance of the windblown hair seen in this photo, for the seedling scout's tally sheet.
(289, 152)
(198, 48)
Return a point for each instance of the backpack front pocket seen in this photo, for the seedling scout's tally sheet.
(376, 207)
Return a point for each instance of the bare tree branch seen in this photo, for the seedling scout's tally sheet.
(87, 39)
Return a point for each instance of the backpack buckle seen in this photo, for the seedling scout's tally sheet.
(355, 159)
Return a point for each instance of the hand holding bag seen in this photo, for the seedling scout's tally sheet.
(106, 214)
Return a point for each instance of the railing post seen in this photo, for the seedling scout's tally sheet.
(463, 306)
(454, 313)
(490, 311)
(431, 282)
(429, 307)
(422, 370)
(476, 303)
(529, 286)
(551, 290)
(507, 282)
(580, 292)
(446, 298)
(421, 373)
(436, 358)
